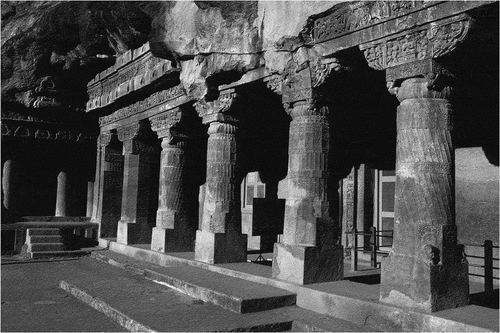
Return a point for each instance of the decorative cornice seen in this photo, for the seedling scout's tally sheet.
(153, 100)
(133, 70)
(431, 41)
(218, 109)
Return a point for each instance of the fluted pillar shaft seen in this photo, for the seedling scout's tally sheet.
(310, 251)
(140, 188)
(177, 215)
(220, 238)
(426, 269)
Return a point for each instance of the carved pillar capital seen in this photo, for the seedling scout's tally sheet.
(219, 110)
(166, 125)
(410, 53)
(104, 139)
(137, 138)
(128, 132)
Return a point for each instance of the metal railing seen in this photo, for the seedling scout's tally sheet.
(374, 247)
(487, 263)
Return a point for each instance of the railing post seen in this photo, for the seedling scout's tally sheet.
(373, 244)
(354, 250)
(488, 265)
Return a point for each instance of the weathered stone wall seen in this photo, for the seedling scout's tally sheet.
(477, 197)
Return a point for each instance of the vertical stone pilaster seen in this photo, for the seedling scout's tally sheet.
(140, 184)
(220, 239)
(177, 215)
(310, 251)
(108, 186)
(426, 269)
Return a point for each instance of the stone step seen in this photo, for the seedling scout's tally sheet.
(46, 247)
(38, 239)
(54, 219)
(228, 292)
(140, 305)
(58, 254)
(43, 231)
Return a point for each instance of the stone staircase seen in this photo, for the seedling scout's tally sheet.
(47, 236)
(48, 243)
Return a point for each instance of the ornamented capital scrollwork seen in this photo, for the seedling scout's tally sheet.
(167, 125)
(217, 110)
(104, 139)
(128, 132)
(323, 68)
(274, 83)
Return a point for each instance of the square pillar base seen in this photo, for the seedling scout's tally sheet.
(133, 233)
(307, 264)
(171, 240)
(412, 282)
(220, 248)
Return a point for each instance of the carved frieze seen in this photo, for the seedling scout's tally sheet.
(153, 100)
(352, 16)
(431, 41)
(32, 130)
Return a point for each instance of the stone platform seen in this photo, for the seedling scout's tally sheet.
(355, 299)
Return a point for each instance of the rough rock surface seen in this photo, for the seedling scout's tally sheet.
(50, 50)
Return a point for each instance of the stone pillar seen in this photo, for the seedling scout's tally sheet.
(426, 269)
(310, 251)
(220, 239)
(9, 183)
(177, 215)
(63, 192)
(140, 184)
(90, 198)
(108, 185)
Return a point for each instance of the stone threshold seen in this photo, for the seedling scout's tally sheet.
(347, 300)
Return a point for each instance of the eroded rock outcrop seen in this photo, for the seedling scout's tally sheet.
(50, 50)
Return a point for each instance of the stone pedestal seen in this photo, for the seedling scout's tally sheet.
(220, 239)
(310, 251)
(140, 190)
(177, 215)
(426, 269)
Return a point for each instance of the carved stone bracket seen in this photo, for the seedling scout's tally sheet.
(274, 83)
(430, 41)
(104, 139)
(219, 110)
